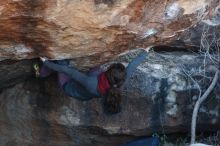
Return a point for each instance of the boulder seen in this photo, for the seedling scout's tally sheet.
(87, 30)
(158, 99)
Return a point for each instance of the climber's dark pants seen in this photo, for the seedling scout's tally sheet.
(74, 83)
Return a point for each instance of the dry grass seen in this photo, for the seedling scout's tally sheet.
(213, 139)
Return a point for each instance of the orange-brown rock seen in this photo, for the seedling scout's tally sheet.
(91, 29)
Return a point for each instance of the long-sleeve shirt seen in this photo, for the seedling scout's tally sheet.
(83, 86)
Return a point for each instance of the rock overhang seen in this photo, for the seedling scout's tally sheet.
(96, 29)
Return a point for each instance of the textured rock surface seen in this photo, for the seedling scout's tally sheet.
(92, 29)
(12, 72)
(159, 99)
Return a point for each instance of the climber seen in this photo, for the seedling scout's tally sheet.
(107, 84)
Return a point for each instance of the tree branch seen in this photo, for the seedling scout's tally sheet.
(197, 105)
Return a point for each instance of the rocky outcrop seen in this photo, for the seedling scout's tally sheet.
(13, 72)
(99, 28)
(158, 99)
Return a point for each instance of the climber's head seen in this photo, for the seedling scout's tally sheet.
(116, 75)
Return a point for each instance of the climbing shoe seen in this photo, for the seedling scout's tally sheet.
(36, 69)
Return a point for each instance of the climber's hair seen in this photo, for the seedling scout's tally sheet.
(116, 75)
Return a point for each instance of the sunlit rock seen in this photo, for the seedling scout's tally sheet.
(96, 28)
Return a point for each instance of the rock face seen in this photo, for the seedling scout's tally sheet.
(92, 29)
(12, 72)
(158, 99)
